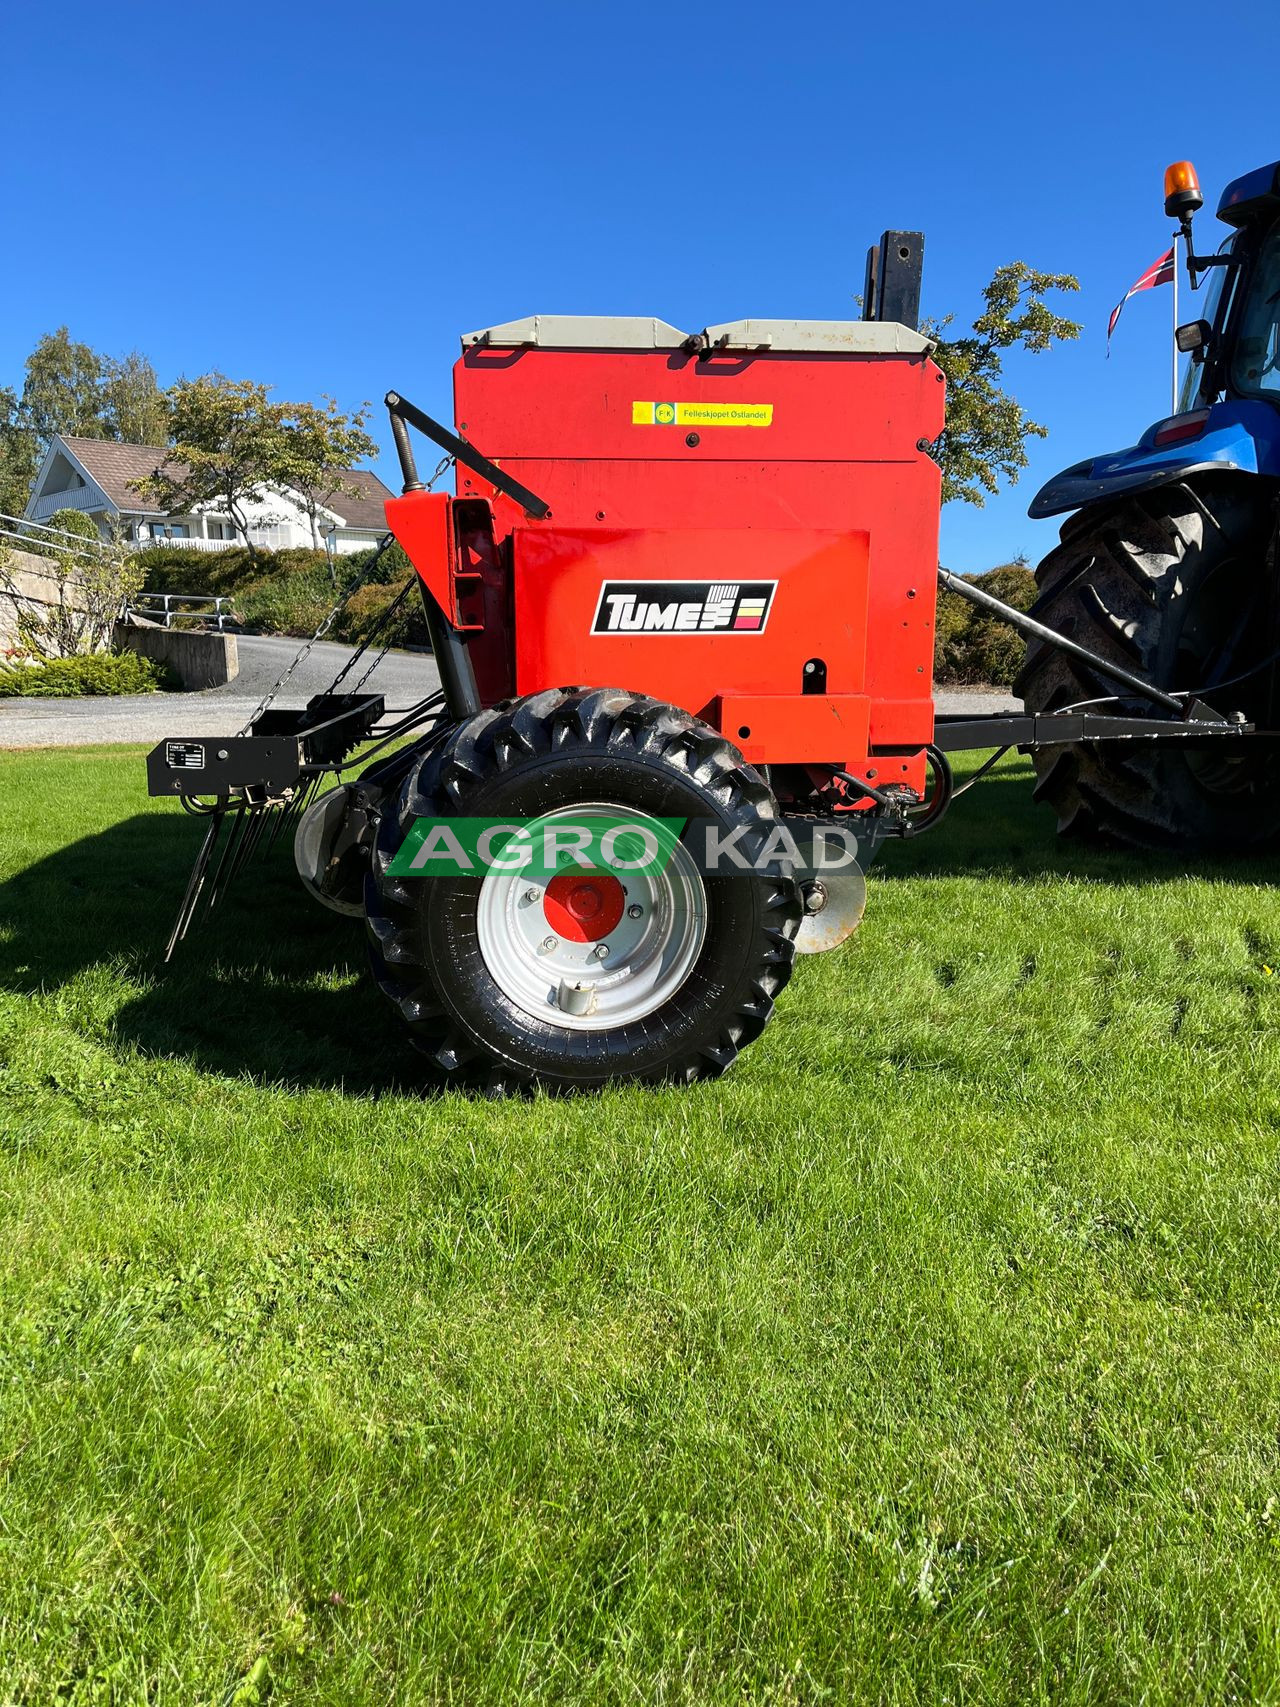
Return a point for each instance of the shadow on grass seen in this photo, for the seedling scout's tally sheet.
(269, 985)
(998, 830)
(274, 987)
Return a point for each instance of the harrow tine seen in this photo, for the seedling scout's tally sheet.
(282, 814)
(194, 885)
(236, 849)
(252, 829)
(260, 819)
(294, 810)
(285, 817)
(225, 864)
(259, 812)
(306, 794)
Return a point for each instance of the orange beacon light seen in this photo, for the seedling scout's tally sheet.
(1181, 191)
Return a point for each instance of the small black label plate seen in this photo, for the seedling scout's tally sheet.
(184, 755)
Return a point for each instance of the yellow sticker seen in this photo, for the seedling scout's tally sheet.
(702, 414)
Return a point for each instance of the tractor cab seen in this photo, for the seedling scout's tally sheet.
(1234, 345)
(1246, 323)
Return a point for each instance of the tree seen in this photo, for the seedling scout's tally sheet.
(318, 447)
(227, 442)
(63, 391)
(17, 456)
(987, 430)
(69, 388)
(133, 403)
(230, 442)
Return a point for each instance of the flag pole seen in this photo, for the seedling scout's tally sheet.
(1174, 409)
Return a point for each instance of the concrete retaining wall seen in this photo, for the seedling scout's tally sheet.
(198, 660)
(31, 579)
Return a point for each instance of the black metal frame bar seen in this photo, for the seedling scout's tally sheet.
(894, 268)
(401, 410)
(282, 747)
(457, 676)
(1195, 721)
(1028, 625)
(961, 733)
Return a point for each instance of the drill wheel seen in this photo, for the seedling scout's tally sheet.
(512, 981)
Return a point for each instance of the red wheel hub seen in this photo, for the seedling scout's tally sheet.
(583, 906)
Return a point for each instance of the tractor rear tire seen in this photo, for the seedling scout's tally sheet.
(463, 969)
(1174, 585)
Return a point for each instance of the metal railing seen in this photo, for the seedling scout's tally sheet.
(35, 534)
(191, 542)
(25, 530)
(168, 608)
(165, 609)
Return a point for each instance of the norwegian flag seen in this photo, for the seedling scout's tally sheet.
(1158, 273)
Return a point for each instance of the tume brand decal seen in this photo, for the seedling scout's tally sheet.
(702, 414)
(683, 607)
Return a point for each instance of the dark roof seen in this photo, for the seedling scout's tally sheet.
(114, 466)
(363, 508)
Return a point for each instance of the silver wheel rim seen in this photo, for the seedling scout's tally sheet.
(647, 956)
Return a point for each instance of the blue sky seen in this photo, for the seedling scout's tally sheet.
(324, 197)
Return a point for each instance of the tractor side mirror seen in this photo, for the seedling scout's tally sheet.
(1193, 338)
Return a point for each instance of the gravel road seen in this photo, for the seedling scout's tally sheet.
(974, 701)
(401, 677)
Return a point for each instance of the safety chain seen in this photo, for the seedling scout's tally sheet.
(382, 622)
(273, 693)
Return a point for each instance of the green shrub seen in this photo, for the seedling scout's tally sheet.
(75, 522)
(96, 673)
(288, 603)
(973, 648)
(291, 592)
(178, 569)
(365, 606)
(175, 569)
(91, 581)
(299, 558)
(392, 570)
(53, 545)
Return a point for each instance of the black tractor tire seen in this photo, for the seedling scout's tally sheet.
(1176, 585)
(543, 753)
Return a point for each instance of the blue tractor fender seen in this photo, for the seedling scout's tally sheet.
(1235, 434)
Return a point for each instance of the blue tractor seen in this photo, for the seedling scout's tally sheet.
(1167, 566)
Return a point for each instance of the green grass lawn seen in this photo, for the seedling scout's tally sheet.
(930, 1356)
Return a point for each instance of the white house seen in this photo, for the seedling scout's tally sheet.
(97, 475)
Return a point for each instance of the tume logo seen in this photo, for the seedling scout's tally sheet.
(683, 607)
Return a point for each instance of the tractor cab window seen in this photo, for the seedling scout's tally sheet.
(1212, 303)
(1256, 363)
